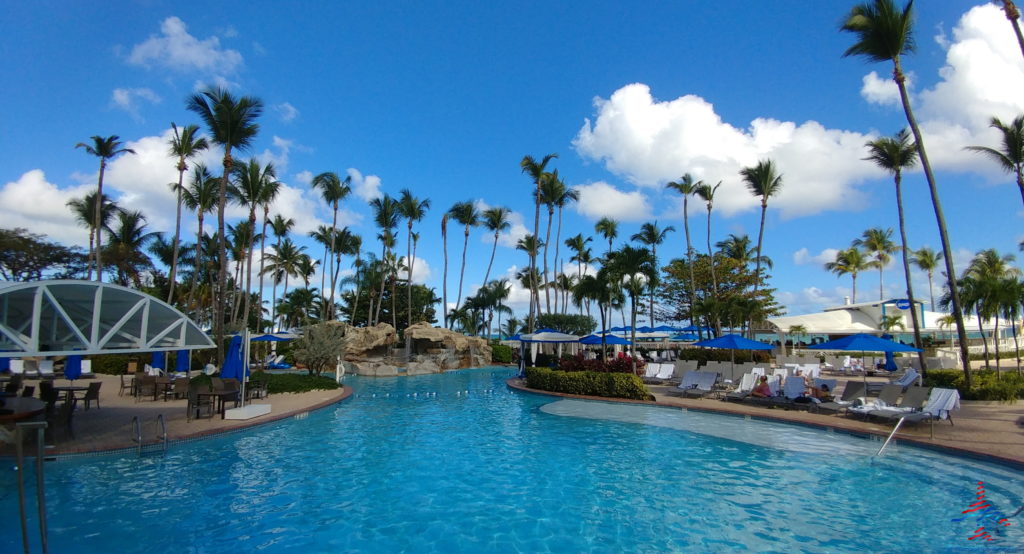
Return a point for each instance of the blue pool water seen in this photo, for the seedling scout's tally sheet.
(417, 464)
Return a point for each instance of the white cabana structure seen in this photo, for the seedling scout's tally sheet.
(538, 342)
(65, 317)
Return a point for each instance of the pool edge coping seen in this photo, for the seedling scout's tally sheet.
(1013, 463)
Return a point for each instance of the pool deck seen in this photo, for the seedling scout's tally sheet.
(984, 430)
(109, 428)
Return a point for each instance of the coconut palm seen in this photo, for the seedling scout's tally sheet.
(466, 214)
(280, 226)
(634, 269)
(254, 186)
(104, 148)
(894, 154)
(798, 331)
(1012, 14)
(878, 241)
(562, 200)
(927, 260)
(765, 181)
(983, 283)
(126, 250)
(707, 193)
(324, 236)
(84, 210)
(411, 209)
(536, 172)
(495, 220)
(286, 260)
(356, 248)
(1010, 155)
(687, 187)
(884, 33)
(737, 247)
(200, 197)
(333, 190)
(553, 192)
(232, 125)
(598, 288)
(385, 215)
(1011, 298)
(444, 274)
(850, 262)
(651, 235)
(184, 145)
(609, 229)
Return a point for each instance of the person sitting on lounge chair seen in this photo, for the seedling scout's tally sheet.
(823, 394)
(762, 390)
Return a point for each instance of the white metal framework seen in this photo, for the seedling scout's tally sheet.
(55, 318)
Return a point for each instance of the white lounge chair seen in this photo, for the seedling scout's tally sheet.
(742, 390)
(87, 370)
(17, 366)
(665, 371)
(46, 369)
(704, 381)
(940, 404)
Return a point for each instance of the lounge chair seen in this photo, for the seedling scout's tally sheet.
(742, 390)
(17, 367)
(793, 388)
(851, 391)
(28, 391)
(913, 400)
(704, 382)
(46, 369)
(196, 402)
(664, 371)
(87, 370)
(940, 404)
(889, 395)
(651, 370)
(688, 381)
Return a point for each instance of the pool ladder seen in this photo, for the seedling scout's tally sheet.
(161, 427)
(21, 430)
(891, 435)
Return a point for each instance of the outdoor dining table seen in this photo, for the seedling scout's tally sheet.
(222, 397)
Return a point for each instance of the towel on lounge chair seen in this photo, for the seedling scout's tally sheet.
(665, 371)
(887, 398)
(913, 400)
(851, 390)
(907, 379)
(651, 369)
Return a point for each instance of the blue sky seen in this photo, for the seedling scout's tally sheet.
(446, 98)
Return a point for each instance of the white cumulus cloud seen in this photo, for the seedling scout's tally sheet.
(40, 206)
(286, 112)
(365, 187)
(804, 257)
(877, 90)
(175, 48)
(600, 199)
(129, 100)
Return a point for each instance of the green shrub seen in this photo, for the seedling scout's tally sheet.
(278, 383)
(501, 353)
(1005, 387)
(588, 383)
(704, 355)
(113, 364)
(945, 379)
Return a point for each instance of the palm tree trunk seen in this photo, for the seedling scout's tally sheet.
(323, 283)
(199, 259)
(444, 278)
(547, 280)
(881, 288)
(334, 268)
(248, 263)
(359, 287)
(99, 221)
(92, 254)
(940, 219)
(632, 334)
(177, 238)
(284, 294)
(931, 290)
(714, 282)
(760, 239)
(654, 253)
(494, 249)
(383, 282)
(263, 243)
(854, 287)
(408, 290)
(984, 340)
(222, 252)
(689, 254)
(462, 271)
(1016, 345)
(906, 272)
(995, 340)
(534, 291)
(1012, 14)
(558, 268)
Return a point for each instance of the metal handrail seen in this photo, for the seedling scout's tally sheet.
(137, 434)
(163, 430)
(40, 428)
(894, 429)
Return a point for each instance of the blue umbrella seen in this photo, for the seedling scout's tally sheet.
(268, 338)
(645, 329)
(685, 338)
(233, 361)
(182, 361)
(734, 342)
(159, 360)
(73, 367)
(890, 360)
(5, 364)
(609, 339)
(665, 329)
(864, 343)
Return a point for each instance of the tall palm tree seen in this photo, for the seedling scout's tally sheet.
(884, 33)
(536, 171)
(609, 229)
(894, 154)
(128, 242)
(324, 236)
(280, 226)
(651, 235)
(201, 197)
(104, 148)
(1011, 299)
(84, 210)
(687, 187)
(983, 282)
(567, 196)
(286, 260)
(1010, 155)
(597, 288)
(927, 260)
(878, 241)
(466, 214)
(707, 193)
(552, 191)
(184, 145)
(762, 180)
(737, 247)
(634, 268)
(385, 215)
(412, 209)
(268, 193)
(232, 125)
(582, 256)
(850, 262)
(333, 190)
(254, 186)
(1012, 14)
(495, 220)
(357, 250)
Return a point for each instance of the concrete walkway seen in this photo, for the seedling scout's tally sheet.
(988, 430)
(110, 426)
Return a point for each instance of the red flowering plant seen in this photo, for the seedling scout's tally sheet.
(614, 365)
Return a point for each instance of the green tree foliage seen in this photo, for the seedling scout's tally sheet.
(573, 324)
(320, 347)
(26, 256)
(423, 301)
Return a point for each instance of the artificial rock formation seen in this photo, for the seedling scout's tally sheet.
(370, 350)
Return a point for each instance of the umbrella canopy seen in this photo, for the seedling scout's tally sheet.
(685, 338)
(734, 342)
(864, 343)
(273, 337)
(665, 329)
(73, 367)
(645, 329)
(608, 339)
(233, 363)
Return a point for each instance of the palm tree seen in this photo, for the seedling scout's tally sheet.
(412, 209)
(884, 33)
(598, 288)
(1010, 156)
(444, 278)
(466, 214)
(1011, 297)
(280, 227)
(184, 145)
(553, 192)
(707, 193)
(385, 215)
(737, 247)
(1012, 14)
(634, 268)
(850, 261)
(333, 190)
(286, 260)
(687, 187)
(356, 248)
(324, 236)
(128, 242)
(765, 181)
(878, 241)
(536, 171)
(254, 186)
(894, 154)
(567, 196)
(495, 220)
(104, 148)
(652, 236)
(607, 228)
(84, 210)
(798, 331)
(200, 197)
(983, 283)
(232, 125)
(927, 260)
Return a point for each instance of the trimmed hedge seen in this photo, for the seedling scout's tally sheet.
(588, 383)
(704, 355)
(278, 383)
(1008, 387)
(501, 353)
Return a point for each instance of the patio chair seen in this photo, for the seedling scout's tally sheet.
(743, 389)
(28, 391)
(62, 418)
(145, 386)
(181, 385)
(256, 389)
(13, 385)
(48, 394)
(940, 405)
(851, 391)
(913, 401)
(127, 384)
(793, 388)
(32, 369)
(703, 384)
(92, 394)
(233, 385)
(196, 402)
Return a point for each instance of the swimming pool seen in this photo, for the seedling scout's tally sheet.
(420, 464)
